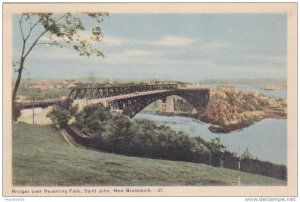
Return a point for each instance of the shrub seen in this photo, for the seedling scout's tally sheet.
(62, 113)
(93, 119)
(59, 116)
(118, 134)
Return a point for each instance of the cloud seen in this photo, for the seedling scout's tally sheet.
(269, 58)
(170, 41)
(51, 54)
(108, 40)
(134, 53)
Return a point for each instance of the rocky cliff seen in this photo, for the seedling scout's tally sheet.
(231, 111)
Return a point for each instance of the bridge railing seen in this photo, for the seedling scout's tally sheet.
(136, 86)
(37, 104)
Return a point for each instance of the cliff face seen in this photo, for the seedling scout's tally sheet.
(229, 111)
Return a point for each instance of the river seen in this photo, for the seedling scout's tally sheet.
(266, 139)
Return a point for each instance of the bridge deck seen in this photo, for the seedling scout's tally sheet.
(106, 101)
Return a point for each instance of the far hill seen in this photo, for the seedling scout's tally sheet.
(262, 82)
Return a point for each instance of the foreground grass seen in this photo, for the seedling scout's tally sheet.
(41, 157)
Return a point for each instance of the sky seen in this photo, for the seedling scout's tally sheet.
(184, 47)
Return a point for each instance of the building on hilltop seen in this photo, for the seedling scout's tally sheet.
(57, 84)
(228, 89)
(44, 84)
(254, 93)
(110, 82)
(64, 84)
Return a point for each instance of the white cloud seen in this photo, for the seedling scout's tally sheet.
(68, 54)
(270, 58)
(107, 40)
(170, 41)
(134, 53)
(55, 53)
(112, 41)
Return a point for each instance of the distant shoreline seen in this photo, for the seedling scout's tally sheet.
(259, 81)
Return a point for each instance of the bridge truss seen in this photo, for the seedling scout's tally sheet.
(100, 91)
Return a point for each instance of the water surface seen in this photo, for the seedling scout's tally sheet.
(266, 140)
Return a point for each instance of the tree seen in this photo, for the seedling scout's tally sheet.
(216, 145)
(62, 113)
(63, 30)
(93, 119)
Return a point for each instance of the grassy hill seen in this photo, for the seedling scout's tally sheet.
(41, 157)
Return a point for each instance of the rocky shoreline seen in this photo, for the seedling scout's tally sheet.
(227, 112)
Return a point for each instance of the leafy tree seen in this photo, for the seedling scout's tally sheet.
(93, 119)
(61, 114)
(62, 30)
(216, 146)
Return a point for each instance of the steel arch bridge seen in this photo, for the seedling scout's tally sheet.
(131, 99)
(133, 105)
(101, 91)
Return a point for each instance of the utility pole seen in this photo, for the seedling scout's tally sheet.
(92, 81)
(32, 100)
(239, 169)
(32, 97)
(220, 152)
(35, 93)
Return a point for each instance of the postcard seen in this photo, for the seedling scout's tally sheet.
(150, 99)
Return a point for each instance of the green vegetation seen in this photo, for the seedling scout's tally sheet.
(113, 132)
(98, 128)
(61, 115)
(41, 157)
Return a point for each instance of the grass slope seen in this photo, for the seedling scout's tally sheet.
(41, 157)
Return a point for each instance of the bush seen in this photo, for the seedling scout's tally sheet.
(59, 116)
(62, 113)
(93, 119)
(118, 134)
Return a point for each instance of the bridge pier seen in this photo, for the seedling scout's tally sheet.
(163, 107)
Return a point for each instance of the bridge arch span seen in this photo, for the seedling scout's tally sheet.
(133, 105)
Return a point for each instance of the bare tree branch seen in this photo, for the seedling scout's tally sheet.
(58, 19)
(31, 28)
(34, 43)
(38, 38)
(49, 43)
(21, 28)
